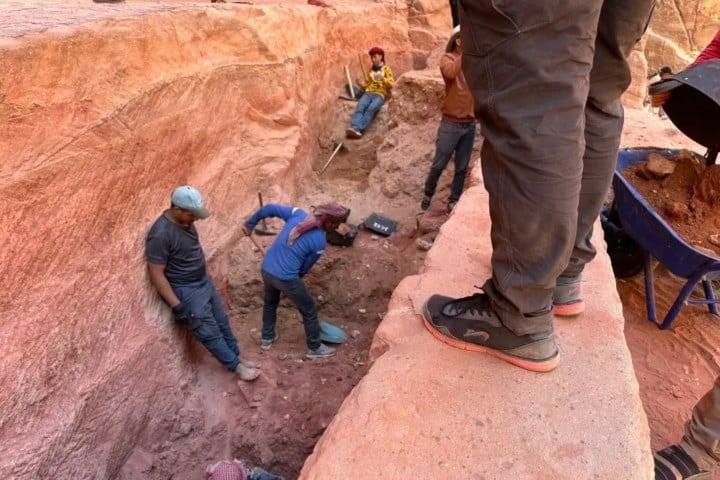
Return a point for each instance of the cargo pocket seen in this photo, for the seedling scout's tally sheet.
(489, 23)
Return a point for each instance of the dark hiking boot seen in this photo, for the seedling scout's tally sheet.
(323, 351)
(673, 463)
(567, 299)
(425, 204)
(470, 324)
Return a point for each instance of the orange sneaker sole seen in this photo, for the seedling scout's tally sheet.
(534, 366)
(569, 309)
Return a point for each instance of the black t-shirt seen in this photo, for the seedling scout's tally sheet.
(178, 248)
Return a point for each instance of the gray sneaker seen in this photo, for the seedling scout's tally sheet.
(265, 344)
(470, 323)
(567, 297)
(323, 351)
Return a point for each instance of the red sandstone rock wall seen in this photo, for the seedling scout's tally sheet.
(679, 30)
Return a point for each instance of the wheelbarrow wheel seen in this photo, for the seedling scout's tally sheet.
(626, 255)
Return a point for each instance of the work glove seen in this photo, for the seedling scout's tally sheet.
(377, 76)
(182, 314)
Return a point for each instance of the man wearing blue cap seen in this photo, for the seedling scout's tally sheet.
(176, 263)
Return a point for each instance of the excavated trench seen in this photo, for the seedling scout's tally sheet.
(122, 110)
(275, 422)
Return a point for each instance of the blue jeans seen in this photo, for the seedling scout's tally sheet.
(452, 138)
(367, 107)
(210, 325)
(298, 293)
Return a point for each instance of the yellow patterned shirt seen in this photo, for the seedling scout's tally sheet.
(379, 82)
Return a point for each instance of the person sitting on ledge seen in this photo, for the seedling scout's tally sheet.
(377, 86)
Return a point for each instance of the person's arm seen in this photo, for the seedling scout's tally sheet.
(269, 210)
(161, 284)
(388, 78)
(711, 51)
(450, 65)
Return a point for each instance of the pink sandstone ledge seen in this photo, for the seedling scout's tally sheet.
(428, 411)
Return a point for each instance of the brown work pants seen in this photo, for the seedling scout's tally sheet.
(702, 431)
(546, 77)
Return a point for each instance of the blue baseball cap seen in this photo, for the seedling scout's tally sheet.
(188, 198)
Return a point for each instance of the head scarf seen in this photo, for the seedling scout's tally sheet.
(322, 214)
(227, 470)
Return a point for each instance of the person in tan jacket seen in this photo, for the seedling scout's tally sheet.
(456, 133)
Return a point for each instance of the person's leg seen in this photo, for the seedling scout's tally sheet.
(528, 68)
(271, 299)
(454, 13)
(527, 65)
(298, 293)
(620, 26)
(221, 318)
(204, 327)
(447, 139)
(357, 116)
(697, 455)
(463, 151)
(702, 431)
(374, 103)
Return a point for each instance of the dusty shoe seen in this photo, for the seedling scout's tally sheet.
(673, 463)
(246, 374)
(470, 324)
(567, 299)
(249, 363)
(265, 344)
(425, 204)
(323, 351)
(352, 133)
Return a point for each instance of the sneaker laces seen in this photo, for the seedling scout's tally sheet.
(477, 305)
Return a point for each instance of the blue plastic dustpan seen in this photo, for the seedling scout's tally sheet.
(330, 333)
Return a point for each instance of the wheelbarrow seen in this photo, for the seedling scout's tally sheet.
(657, 239)
(694, 107)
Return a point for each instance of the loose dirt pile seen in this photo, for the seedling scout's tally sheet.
(685, 193)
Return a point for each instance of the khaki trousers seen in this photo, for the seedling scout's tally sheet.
(546, 77)
(702, 431)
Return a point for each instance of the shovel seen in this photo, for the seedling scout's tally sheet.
(263, 229)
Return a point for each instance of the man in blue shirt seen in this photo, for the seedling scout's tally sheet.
(293, 253)
(176, 263)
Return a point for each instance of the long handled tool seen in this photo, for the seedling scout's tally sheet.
(257, 245)
(337, 149)
(263, 229)
(350, 85)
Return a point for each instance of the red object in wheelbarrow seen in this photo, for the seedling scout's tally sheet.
(694, 107)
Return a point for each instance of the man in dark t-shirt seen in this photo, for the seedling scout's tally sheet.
(176, 263)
